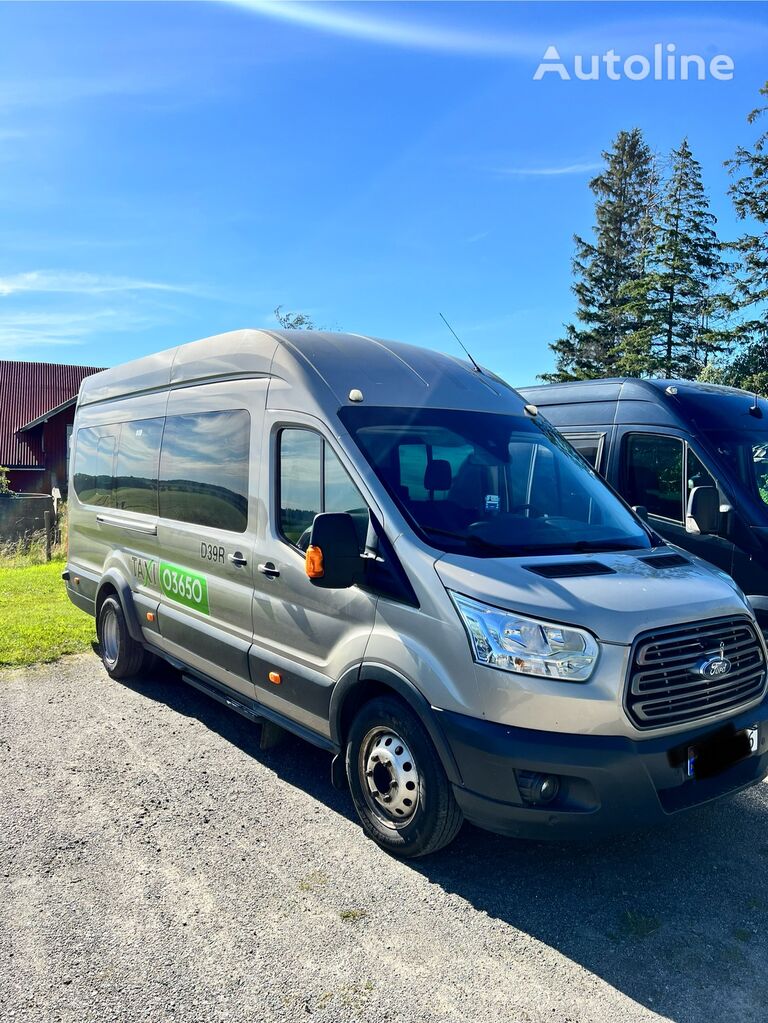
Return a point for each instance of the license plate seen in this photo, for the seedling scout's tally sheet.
(720, 751)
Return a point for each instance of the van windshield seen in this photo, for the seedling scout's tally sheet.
(746, 452)
(491, 485)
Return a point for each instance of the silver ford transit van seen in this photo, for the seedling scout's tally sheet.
(387, 552)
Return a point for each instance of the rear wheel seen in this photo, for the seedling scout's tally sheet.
(121, 654)
(400, 790)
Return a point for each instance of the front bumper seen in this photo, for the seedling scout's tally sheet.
(607, 783)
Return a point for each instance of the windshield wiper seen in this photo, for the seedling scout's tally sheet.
(467, 538)
(603, 545)
(544, 549)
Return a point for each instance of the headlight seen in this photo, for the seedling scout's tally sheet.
(503, 639)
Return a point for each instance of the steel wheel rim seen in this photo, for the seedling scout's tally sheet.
(389, 777)
(110, 637)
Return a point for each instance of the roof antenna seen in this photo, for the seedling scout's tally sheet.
(755, 409)
(460, 342)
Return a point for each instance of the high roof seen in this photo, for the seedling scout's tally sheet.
(29, 390)
(701, 406)
(319, 370)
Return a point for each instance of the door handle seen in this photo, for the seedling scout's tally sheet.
(238, 559)
(268, 569)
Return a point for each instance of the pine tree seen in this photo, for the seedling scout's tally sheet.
(749, 192)
(682, 274)
(609, 315)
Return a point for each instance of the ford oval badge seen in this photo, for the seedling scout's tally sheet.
(714, 667)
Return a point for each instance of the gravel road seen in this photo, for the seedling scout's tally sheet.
(156, 865)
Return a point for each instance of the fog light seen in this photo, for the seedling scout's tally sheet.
(538, 789)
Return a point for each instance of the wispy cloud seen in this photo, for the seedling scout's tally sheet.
(61, 90)
(478, 237)
(568, 168)
(67, 282)
(405, 32)
(398, 32)
(24, 331)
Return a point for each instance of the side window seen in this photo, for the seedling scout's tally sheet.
(341, 494)
(653, 474)
(697, 475)
(590, 446)
(313, 480)
(138, 455)
(301, 481)
(95, 465)
(204, 469)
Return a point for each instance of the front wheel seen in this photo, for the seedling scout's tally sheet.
(122, 656)
(398, 785)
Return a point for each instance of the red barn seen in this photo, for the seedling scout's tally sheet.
(37, 409)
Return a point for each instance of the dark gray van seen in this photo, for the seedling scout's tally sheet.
(387, 552)
(695, 456)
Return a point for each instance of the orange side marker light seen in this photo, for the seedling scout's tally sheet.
(275, 677)
(150, 616)
(313, 563)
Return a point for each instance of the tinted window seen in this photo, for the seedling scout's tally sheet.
(204, 469)
(698, 475)
(589, 447)
(313, 480)
(760, 467)
(95, 465)
(654, 474)
(138, 454)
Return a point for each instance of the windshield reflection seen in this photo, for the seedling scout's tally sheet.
(491, 485)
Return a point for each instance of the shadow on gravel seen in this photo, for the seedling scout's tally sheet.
(676, 918)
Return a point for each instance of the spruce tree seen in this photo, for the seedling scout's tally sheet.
(608, 314)
(749, 192)
(683, 271)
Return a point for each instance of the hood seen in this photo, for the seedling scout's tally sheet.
(615, 596)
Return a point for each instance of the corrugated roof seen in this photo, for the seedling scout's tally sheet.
(27, 391)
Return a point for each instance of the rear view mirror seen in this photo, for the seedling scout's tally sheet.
(333, 557)
(703, 512)
(641, 511)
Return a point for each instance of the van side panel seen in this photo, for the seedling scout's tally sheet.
(204, 575)
(104, 538)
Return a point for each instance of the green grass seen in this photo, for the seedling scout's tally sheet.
(38, 622)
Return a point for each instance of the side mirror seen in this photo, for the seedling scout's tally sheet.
(703, 513)
(641, 511)
(333, 557)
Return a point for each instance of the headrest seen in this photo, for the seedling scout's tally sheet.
(438, 475)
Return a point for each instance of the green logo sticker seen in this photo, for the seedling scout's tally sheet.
(185, 587)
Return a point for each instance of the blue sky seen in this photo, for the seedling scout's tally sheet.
(169, 171)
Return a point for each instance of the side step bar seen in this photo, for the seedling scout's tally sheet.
(252, 709)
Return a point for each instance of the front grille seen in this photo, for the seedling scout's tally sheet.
(664, 685)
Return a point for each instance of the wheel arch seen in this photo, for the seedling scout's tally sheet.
(113, 583)
(360, 685)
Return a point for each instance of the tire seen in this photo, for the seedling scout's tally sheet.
(389, 753)
(121, 655)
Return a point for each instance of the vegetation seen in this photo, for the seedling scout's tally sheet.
(39, 621)
(655, 294)
(610, 269)
(749, 192)
(294, 321)
(30, 550)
